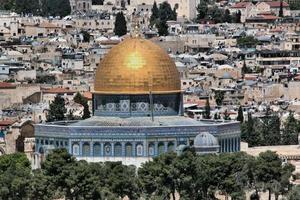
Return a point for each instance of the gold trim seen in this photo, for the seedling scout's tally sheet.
(137, 93)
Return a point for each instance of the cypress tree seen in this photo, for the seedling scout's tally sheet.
(120, 25)
(154, 15)
(162, 27)
(57, 109)
(227, 16)
(238, 15)
(281, 9)
(240, 116)
(207, 110)
(82, 101)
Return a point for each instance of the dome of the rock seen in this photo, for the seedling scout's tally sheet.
(137, 66)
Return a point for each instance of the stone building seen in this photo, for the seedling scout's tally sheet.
(81, 5)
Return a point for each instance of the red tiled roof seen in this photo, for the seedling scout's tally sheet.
(59, 91)
(88, 95)
(5, 123)
(4, 85)
(241, 5)
(269, 17)
(297, 78)
(276, 4)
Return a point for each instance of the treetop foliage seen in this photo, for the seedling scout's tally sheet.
(192, 176)
(43, 7)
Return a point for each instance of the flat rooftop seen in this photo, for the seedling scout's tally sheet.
(136, 121)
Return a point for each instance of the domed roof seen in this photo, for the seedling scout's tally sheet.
(136, 66)
(226, 75)
(205, 140)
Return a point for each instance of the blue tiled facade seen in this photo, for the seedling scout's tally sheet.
(96, 141)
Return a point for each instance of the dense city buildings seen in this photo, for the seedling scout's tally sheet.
(134, 80)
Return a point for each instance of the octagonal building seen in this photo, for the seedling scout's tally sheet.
(137, 111)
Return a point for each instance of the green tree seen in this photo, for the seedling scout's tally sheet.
(240, 116)
(57, 8)
(269, 170)
(227, 17)
(294, 194)
(82, 101)
(166, 13)
(41, 186)
(247, 41)
(202, 10)
(249, 133)
(270, 129)
(245, 69)
(123, 180)
(120, 25)
(162, 27)
(281, 9)
(226, 115)
(155, 14)
(295, 5)
(290, 131)
(216, 14)
(219, 97)
(159, 178)
(57, 109)
(237, 18)
(86, 36)
(206, 114)
(14, 176)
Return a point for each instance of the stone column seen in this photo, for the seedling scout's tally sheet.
(133, 149)
(70, 147)
(145, 149)
(112, 149)
(102, 149)
(123, 149)
(155, 148)
(91, 149)
(80, 148)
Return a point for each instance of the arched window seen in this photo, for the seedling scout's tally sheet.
(128, 150)
(107, 149)
(139, 150)
(118, 149)
(170, 146)
(97, 149)
(161, 148)
(86, 149)
(151, 149)
(75, 149)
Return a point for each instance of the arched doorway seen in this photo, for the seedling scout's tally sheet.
(26, 131)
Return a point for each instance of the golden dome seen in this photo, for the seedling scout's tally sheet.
(136, 66)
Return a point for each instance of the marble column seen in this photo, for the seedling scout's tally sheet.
(101, 149)
(133, 149)
(155, 148)
(80, 148)
(70, 147)
(123, 149)
(145, 148)
(112, 149)
(92, 149)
